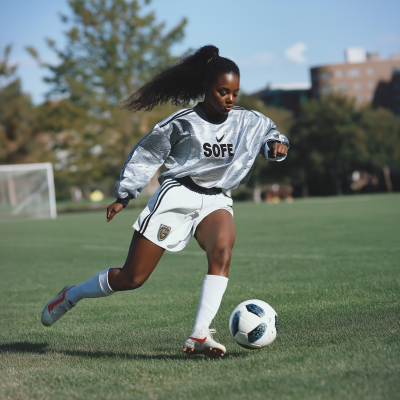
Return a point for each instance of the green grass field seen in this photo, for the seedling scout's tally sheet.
(329, 267)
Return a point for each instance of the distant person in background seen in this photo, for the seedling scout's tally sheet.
(207, 150)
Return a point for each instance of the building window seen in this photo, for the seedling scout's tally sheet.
(354, 72)
(357, 86)
(326, 89)
(326, 75)
(339, 73)
(342, 87)
(371, 84)
(370, 71)
(360, 98)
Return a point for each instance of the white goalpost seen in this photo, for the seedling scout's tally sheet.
(27, 191)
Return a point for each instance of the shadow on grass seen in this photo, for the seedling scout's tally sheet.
(43, 348)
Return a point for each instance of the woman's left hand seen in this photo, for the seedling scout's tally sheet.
(279, 150)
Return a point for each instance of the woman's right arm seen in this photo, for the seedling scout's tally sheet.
(142, 163)
(113, 209)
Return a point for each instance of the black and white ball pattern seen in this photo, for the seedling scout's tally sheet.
(253, 324)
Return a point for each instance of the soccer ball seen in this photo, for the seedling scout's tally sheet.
(253, 324)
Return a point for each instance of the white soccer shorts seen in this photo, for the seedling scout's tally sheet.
(173, 213)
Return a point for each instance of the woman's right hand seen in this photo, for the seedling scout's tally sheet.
(113, 209)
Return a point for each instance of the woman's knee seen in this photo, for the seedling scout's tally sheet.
(221, 256)
(135, 282)
(126, 281)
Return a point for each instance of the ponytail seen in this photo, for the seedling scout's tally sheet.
(182, 82)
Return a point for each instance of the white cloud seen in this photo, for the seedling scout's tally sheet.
(259, 60)
(295, 53)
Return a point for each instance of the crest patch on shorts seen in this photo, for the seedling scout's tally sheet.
(163, 232)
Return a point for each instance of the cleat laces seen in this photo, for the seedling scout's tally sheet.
(209, 332)
(212, 332)
(61, 309)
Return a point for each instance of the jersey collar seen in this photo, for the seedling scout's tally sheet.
(197, 109)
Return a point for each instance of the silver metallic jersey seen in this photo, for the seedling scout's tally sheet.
(220, 155)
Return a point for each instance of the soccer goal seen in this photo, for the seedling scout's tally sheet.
(27, 191)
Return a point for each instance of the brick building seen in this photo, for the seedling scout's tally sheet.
(364, 76)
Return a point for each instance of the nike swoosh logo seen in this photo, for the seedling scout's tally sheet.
(218, 140)
(200, 341)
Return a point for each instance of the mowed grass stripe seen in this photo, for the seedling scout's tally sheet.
(330, 270)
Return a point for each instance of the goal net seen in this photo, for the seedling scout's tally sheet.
(27, 191)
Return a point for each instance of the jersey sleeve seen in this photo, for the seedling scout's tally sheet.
(142, 163)
(272, 135)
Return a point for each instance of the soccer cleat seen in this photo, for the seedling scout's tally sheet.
(201, 342)
(57, 307)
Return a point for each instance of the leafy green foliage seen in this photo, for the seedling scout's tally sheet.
(18, 142)
(332, 138)
(383, 143)
(113, 47)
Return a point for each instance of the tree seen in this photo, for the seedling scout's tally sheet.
(383, 144)
(333, 138)
(19, 144)
(112, 49)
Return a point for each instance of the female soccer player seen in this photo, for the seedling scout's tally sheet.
(207, 150)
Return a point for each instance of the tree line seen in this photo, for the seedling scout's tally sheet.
(115, 47)
(330, 140)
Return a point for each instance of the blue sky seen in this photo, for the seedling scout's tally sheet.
(272, 41)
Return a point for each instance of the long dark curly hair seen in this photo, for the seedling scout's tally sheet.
(182, 82)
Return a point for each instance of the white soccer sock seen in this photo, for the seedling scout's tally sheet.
(97, 286)
(213, 289)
